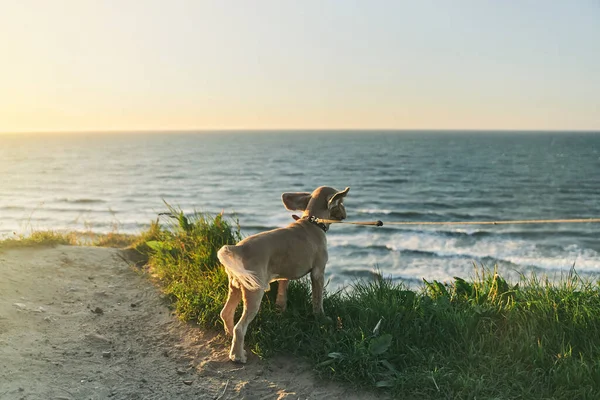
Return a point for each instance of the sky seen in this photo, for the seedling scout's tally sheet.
(82, 65)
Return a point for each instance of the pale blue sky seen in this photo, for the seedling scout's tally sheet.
(111, 65)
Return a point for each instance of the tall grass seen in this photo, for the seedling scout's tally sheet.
(471, 339)
(184, 258)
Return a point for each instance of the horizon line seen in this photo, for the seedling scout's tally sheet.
(283, 130)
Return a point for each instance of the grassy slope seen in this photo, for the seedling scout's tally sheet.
(477, 339)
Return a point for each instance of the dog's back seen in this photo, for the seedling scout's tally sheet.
(284, 253)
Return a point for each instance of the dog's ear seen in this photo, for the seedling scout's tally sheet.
(296, 200)
(337, 197)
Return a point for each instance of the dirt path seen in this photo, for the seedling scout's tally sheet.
(80, 323)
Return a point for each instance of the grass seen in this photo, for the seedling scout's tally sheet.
(55, 238)
(39, 238)
(479, 339)
(482, 338)
(184, 258)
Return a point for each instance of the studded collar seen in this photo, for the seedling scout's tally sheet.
(314, 220)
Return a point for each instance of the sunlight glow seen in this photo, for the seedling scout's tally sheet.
(86, 65)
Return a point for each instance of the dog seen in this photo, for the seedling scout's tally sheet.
(279, 255)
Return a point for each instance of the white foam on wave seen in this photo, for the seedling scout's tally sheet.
(503, 250)
(466, 231)
(374, 211)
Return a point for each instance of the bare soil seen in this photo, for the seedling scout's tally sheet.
(82, 323)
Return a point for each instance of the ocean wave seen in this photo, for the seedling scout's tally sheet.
(425, 216)
(81, 201)
(418, 253)
(491, 249)
(451, 233)
(400, 215)
(361, 273)
(65, 210)
(44, 210)
(13, 208)
(390, 180)
(293, 174)
(540, 234)
(373, 211)
(171, 177)
(258, 228)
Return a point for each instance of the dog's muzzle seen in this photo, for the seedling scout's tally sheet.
(338, 212)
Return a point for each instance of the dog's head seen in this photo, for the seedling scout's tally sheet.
(324, 202)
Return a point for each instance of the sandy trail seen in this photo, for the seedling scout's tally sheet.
(80, 323)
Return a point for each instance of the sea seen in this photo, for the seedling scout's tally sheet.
(114, 181)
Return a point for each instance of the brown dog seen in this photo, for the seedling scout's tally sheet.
(279, 255)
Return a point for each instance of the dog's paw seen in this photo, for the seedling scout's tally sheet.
(236, 358)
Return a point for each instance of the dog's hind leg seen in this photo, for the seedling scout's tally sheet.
(252, 299)
(228, 311)
(281, 301)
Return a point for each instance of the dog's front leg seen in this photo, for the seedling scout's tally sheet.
(281, 301)
(317, 277)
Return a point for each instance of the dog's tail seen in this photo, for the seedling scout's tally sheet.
(235, 268)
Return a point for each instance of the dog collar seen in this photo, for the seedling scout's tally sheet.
(315, 220)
